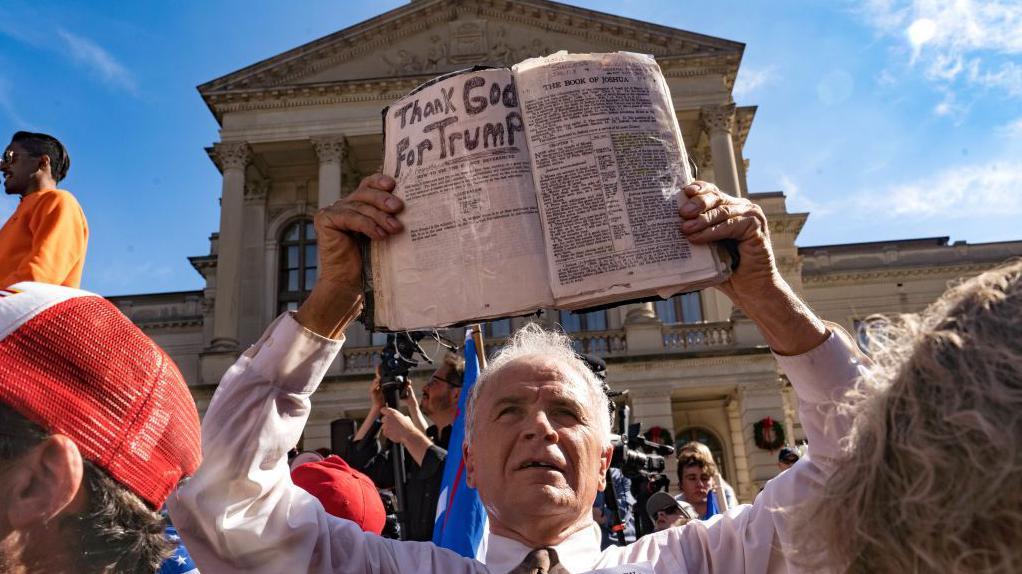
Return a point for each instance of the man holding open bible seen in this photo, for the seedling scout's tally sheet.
(537, 438)
(574, 166)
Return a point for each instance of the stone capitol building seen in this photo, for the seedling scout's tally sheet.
(299, 130)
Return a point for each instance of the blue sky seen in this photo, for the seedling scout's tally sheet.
(886, 119)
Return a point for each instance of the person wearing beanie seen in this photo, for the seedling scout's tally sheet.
(46, 237)
(97, 426)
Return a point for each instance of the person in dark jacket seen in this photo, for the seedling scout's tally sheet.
(425, 450)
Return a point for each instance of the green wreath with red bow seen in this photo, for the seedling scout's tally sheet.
(659, 435)
(769, 434)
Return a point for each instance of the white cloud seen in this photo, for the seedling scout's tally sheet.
(98, 60)
(964, 42)
(750, 79)
(1007, 77)
(960, 192)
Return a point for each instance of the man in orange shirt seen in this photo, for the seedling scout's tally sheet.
(46, 237)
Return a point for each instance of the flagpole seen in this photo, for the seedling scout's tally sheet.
(477, 337)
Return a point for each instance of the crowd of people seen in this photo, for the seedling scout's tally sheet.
(913, 459)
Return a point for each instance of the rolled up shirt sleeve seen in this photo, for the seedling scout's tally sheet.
(757, 538)
(240, 512)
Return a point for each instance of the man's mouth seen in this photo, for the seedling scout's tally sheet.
(539, 464)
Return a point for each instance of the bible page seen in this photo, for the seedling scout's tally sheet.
(472, 246)
(609, 164)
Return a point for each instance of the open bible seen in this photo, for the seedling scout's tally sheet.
(551, 184)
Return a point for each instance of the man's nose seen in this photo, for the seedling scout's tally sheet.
(539, 427)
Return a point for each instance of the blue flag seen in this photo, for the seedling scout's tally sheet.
(460, 517)
(711, 505)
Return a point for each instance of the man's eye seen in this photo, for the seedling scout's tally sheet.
(568, 413)
(507, 411)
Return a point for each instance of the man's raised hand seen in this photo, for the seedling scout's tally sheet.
(369, 210)
(756, 286)
(336, 298)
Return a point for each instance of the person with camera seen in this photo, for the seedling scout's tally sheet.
(537, 440)
(425, 447)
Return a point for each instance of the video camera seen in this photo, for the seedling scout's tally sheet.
(401, 354)
(634, 455)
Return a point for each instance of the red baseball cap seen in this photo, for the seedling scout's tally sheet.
(73, 364)
(343, 491)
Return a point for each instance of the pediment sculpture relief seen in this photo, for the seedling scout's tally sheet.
(467, 43)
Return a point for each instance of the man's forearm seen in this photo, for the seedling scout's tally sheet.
(363, 429)
(330, 308)
(789, 326)
(417, 444)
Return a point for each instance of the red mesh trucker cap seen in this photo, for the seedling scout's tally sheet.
(72, 363)
(343, 491)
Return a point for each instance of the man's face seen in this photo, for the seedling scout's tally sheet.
(17, 167)
(537, 448)
(695, 484)
(438, 394)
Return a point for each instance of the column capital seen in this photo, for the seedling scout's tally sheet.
(330, 149)
(717, 119)
(231, 155)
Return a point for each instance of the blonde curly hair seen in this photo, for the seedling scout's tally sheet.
(931, 480)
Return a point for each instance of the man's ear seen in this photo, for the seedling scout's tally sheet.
(44, 483)
(470, 465)
(605, 458)
(44, 164)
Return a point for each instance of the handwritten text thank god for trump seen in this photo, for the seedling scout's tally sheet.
(439, 116)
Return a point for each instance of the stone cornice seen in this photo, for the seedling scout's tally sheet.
(872, 275)
(204, 264)
(743, 123)
(172, 323)
(681, 52)
(789, 223)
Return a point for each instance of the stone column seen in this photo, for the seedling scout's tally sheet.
(331, 153)
(643, 333)
(251, 278)
(719, 122)
(233, 158)
(744, 489)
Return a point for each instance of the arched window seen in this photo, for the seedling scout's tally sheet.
(684, 308)
(297, 265)
(707, 437)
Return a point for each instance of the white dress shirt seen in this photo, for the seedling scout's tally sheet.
(240, 512)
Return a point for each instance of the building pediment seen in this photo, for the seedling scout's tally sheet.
(387, 55)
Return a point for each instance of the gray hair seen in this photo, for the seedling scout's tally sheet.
(532, 340)
(930, 479)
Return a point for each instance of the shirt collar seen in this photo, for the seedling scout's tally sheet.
(578, 553)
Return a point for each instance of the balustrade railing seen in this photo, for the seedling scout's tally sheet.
(677, 337)
(697, 336)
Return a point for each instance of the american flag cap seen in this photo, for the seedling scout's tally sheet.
(72, 363)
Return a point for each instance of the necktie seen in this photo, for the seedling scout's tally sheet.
(540, 561)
